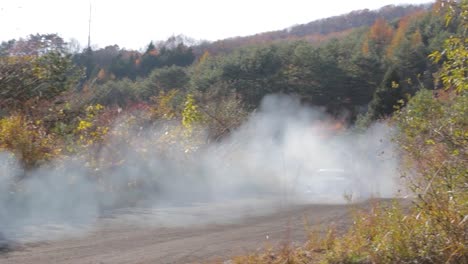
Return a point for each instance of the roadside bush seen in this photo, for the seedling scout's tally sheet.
(391, 235)
(433, 137)
(27, 140)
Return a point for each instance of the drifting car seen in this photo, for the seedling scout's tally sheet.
(331, 185)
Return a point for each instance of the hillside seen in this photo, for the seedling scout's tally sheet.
(318, 30)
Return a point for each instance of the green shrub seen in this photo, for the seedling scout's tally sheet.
(115, 92)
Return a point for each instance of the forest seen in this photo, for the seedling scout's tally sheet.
(403, 65)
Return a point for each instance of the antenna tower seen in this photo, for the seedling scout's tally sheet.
(89, 27)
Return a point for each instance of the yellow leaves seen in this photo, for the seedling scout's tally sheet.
(453, 73)
(83, 125)
(27, 139)
(92, 135)
(98, 107)
(165, 105)
(190, 114)
(88, 131)
(92, 109)
(395, 85)
(436, 56)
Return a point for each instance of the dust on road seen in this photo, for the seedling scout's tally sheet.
(195, 234)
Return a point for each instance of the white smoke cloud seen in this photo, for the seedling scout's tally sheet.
(277, 152)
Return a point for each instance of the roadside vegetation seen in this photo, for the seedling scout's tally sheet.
(433, 139)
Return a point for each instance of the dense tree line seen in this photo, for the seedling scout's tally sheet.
(363, 74)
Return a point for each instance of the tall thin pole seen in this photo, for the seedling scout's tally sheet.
(89, 27)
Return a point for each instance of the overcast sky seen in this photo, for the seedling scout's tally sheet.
(133, 23)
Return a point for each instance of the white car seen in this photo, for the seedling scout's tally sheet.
(331, 185)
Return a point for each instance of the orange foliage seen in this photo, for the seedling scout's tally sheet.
(381, 32)
(401, 31)
(153, 52)
(137, 62)
(101, 75)
(379, 35)
(399, 35)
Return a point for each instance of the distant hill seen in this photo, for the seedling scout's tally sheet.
(318, 30)
(353, 19)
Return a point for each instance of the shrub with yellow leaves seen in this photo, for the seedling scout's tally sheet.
(27, 140)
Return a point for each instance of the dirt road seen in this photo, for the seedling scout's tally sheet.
(195, 234)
